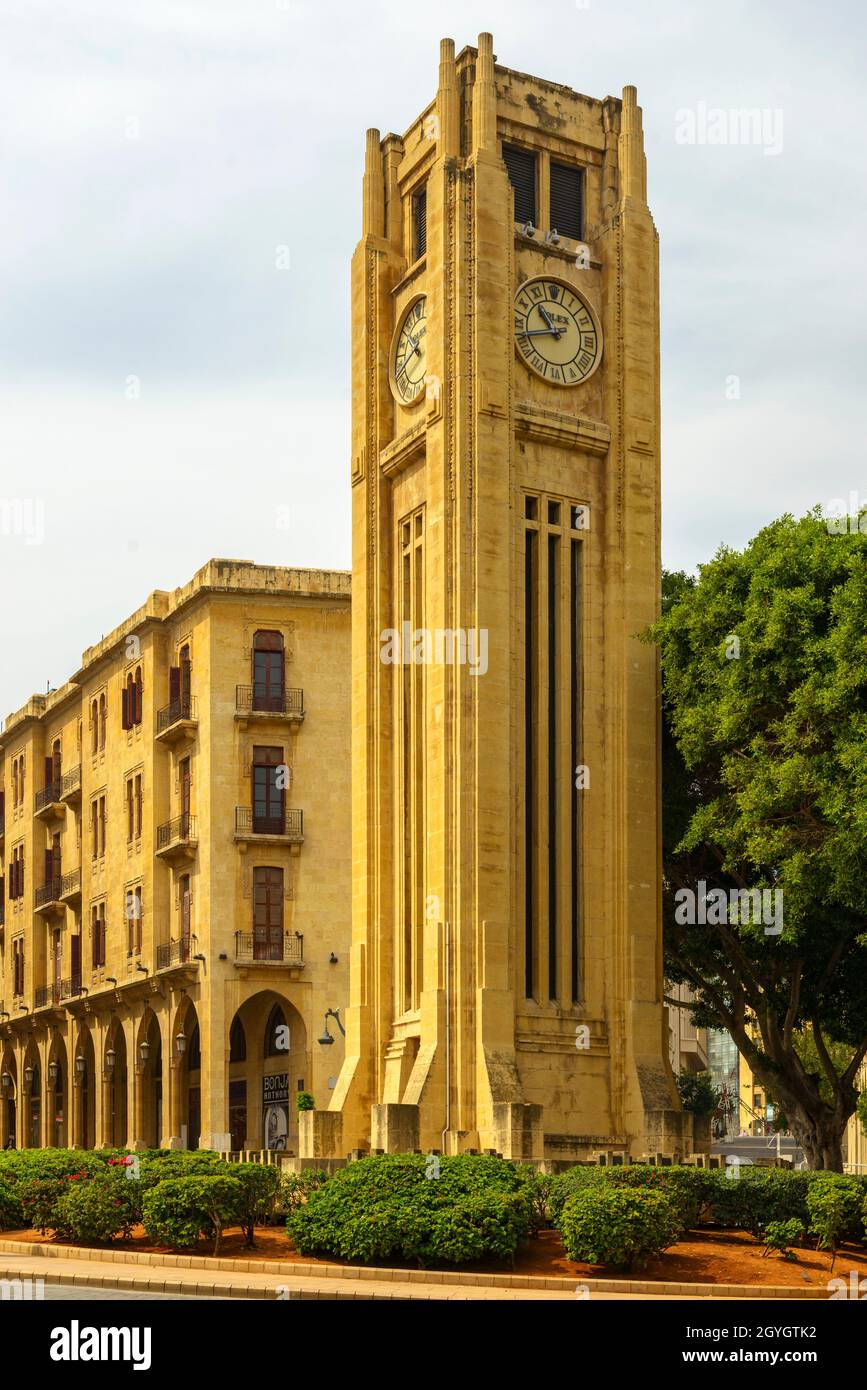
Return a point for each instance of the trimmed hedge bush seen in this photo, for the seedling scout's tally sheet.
(95, 1210)
(259, 1186)
(620, 1227)
(410, 1207)
(180, 1210)
(834, 1202)
(11, 1211)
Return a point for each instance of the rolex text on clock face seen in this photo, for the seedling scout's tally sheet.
(556, 332)
(409, 358)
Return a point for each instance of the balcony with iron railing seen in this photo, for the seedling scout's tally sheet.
(47, 803)
(58, 992)
(70, 786)
(70, 887)
(177, 721)
(178, 838)
(175, 952)
(46, 897)
(284, 827)
(274, 948)
(258, 705)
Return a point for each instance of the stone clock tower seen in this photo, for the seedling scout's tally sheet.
(506, 959)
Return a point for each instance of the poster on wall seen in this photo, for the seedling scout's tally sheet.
(275, 1105)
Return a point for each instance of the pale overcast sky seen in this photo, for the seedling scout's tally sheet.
(155, 155)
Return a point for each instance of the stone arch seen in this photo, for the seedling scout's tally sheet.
(115, 1073)
(8, 1098)
(263, 1082)
(84, 1090)
(58, 1093)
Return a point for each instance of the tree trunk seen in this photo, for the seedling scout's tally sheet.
(817, 1126)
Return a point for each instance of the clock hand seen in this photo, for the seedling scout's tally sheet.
(539, 332)
(558, 332)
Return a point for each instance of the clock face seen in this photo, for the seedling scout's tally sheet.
(409, 354)
(556, 332)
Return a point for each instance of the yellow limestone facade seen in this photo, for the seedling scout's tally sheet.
(174, 924)
(506, 976)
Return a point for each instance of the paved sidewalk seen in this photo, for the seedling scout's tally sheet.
(216, 1283)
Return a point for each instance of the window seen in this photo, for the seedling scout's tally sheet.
(102, 825)
(269, 671)
(133, 914)
(16, 873)
(138, 806)
(94, 727)
(18, 781)
(419, 223)
(521, 168)
(18, 966)
(97, 935)
(131, 700)
(267, 914)
(567, 200)
(130, 811)
(276, 1033)
(268, 792)
(103, 716)
(94, 829)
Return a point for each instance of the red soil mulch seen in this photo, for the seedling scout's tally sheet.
(706, 1257)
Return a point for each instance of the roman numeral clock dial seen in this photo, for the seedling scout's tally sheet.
(409, 353)
(557, 333)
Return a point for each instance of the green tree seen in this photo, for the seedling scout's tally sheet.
(764, 662)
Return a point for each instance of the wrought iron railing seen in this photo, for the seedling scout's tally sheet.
(48, 795)
(174, 952)
(48, 892)
(282, 946)
(290, 823)
(70, 782)
(70, 883)
(57, 992)
(184, 708)
(176, 832)
(253, 698)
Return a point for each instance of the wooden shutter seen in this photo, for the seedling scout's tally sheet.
(567, 200)
(75, 959)
(49, 772)
(174, 685)
(521, 168)
(49, 865)
(125, 721)
(139, 699)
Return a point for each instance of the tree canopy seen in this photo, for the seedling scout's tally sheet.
(764, 662)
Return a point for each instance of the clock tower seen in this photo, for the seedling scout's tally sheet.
(506, 969)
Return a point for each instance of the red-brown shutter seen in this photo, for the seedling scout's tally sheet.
(124, 708)
(49, 772)
(75, 959)
(174, 685)
(139, 700)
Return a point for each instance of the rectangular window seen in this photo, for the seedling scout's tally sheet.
(521, 168)
(267, 914)
(268, 791)
(102, 825)
(130, 812)
(412, 764)
(553, 755)
(94, 830)
(419, 223)
(567, 200)
(138, 806)
(97, 936)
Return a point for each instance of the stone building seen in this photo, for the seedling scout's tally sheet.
(506, 980)
(174, 836)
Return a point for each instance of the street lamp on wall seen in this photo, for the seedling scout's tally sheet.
(53, 1069)
(144, 1049)
(110, 1058)
(6, 1081)
(80, 1064)
(327, 1040)
(181, 1043)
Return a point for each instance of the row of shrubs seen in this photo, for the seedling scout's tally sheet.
(621, 1217)
(180, 1197)
(426, 1210)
